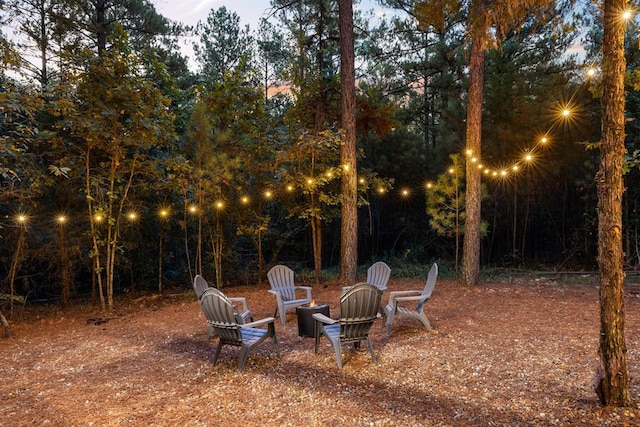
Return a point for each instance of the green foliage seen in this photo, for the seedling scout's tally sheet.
(224, 46)
(445, 200)
(15, 298)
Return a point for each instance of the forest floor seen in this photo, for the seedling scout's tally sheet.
(508, 352)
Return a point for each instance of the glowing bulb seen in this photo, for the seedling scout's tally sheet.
(193, 209)
(381, 190)
(61, 219)
(405, 192)
(132, 216)
(451, 170)
(163, 213)
(566, 112)
(98, 218)
(268, 194)
(503, 173)
(362, 181)
(528, 157)
(244, 200)
(626, 15)
(289, 187)
(474, 159)
(309, 181)
(429, 185)
(219, 204)
(515, 168)
(544, 140)
(469, 152)
(591, 72)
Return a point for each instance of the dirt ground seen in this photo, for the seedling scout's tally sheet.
(504, 353)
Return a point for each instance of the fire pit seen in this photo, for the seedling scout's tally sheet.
(306, 324)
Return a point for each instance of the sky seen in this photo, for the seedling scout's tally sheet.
(250, 11)
(190, 12)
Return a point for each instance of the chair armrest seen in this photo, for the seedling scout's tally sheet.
(278, 296)
(240, 300)
(324, 319)
(404, 299)
(399, 296)
(260, 322)
(399, 293)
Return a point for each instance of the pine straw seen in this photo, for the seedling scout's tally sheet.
(501, 354)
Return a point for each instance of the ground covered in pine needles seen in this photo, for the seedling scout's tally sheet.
(509, 352)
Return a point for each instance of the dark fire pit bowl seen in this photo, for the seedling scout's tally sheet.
(306, 324)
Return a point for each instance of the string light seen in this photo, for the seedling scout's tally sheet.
(22, 218)
(163, 213)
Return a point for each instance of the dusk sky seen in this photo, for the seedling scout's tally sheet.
(189, 12)
(250, 11)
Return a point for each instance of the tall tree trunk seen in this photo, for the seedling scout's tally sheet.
(316, 237)
(471, 244)
(15, 265)
(349, 225)
(64, 267)
(612, 382)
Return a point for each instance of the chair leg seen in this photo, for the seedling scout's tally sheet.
(272, 332)
(389, 322)
(373, 355)
(317, 338)
(215, 356)
(242, 359)
(336, 346)
(423, 319)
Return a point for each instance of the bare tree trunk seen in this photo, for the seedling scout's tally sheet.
(94, 221)
(349, 225)
(316, 237)
(471, 244)
(612, 379)
(65, 268)
(5, 325)
(15, 265)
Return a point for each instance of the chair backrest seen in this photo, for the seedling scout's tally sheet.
(199, 285)
(359, 307)
(281, 279)
(428, 289)
(219, 313)
(378, 275)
